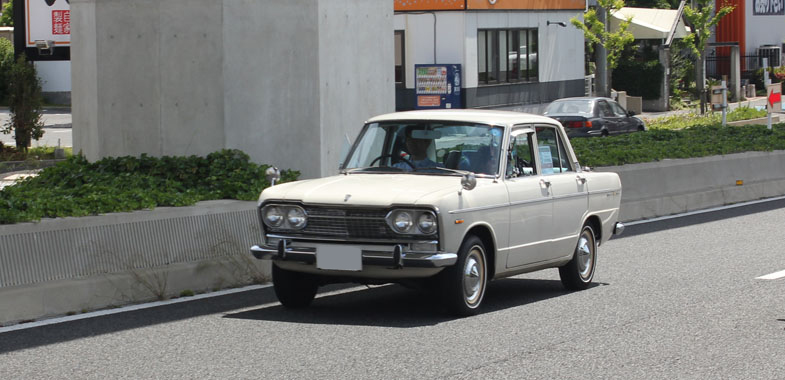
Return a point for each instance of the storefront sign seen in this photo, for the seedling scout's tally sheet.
(48, 20)
(768, 7)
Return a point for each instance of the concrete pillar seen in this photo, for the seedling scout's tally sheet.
(283, 81)
(735, 74)
(665, 61)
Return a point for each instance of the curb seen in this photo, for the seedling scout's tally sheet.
(121, 258)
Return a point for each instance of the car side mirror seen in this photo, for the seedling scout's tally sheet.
(630, 113)
(272, 174)
(468, 182)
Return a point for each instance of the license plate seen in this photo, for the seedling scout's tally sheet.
(339, 257)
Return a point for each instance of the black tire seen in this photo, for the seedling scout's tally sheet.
(463, 284)
(579, 272)
(294, 290)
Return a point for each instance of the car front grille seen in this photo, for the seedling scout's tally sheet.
(347, 223)
(326, 222)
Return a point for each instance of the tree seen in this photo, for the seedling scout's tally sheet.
(702, 19)
(6, 62)
(7, 14)
(25, 103)
(597, 33)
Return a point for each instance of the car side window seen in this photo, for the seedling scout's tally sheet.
(520, 158)
(618, 110)
(550, 149)
(605, 109)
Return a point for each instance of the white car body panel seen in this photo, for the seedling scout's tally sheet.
(529, 225)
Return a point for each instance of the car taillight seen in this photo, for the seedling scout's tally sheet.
(579, 124)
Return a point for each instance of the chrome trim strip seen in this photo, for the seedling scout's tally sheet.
(315, 238)
(382, 258)
(530, 201)
(478, 208)
(605, 191)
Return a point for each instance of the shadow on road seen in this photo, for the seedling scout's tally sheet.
(396, 306)
(389, 306)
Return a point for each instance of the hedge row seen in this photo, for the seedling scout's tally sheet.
(77, 187)
(660, 144)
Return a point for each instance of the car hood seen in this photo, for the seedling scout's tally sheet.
(365, 189)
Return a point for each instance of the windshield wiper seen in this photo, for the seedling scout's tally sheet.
(456, 171)
(373, 169)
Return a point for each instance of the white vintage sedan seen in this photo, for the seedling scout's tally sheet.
(447, 199)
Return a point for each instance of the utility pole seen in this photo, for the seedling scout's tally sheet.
(602, 59)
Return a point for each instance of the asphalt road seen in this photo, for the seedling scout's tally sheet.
(57, 128)
(675, 299)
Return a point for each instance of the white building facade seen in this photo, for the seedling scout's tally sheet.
(511, 52)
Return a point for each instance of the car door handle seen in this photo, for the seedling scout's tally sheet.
(581, 180)
(545, 182)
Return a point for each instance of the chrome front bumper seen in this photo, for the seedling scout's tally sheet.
(398, 257)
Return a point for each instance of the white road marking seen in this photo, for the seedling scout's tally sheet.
(772, 276)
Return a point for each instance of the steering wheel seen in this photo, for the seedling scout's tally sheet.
(394, 158)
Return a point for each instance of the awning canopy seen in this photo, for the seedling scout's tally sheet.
(649, 23)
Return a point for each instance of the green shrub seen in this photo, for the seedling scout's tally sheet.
(6, 62)
(25, 101)
(77, 187)
(7, 14)
(639, 78)
(660, 144)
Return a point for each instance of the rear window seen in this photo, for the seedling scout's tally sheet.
(569, 107)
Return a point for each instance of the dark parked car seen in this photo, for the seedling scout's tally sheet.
(583, 117)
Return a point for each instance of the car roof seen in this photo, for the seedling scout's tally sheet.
(479, 116)
(582, 98)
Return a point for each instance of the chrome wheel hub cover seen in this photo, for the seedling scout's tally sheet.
(585, 255)
(474, 277)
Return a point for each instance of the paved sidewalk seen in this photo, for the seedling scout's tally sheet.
(757, 102)
(8, 179)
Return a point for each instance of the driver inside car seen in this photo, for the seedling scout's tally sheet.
(418, 141)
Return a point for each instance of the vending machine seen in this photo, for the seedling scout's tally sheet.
(437, 86)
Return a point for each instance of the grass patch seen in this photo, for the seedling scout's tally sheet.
(693, 119)
(76, 187)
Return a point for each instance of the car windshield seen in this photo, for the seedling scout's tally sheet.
(432, 147)
(569, 107)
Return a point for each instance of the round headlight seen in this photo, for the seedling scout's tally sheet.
(296, 218)
(427, 223)
(402, 222)
(273, 216)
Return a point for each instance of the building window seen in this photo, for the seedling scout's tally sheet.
(400, 77)
(507, 55)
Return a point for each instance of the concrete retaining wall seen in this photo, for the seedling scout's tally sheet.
(72, 264)
(67, 265)
(673, 186)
